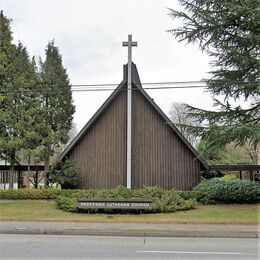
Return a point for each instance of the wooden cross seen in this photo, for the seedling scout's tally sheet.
(129, 44)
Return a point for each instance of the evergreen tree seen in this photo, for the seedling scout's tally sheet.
(7, 50)
(64, 174)
(229, 31)
(19, 106)
(57, 100)
(229, 154)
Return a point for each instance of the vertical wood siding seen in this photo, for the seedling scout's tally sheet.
(159, 156)
(100, 154)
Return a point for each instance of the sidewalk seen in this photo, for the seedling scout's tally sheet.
(130, 229)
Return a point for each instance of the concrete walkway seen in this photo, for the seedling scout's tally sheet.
(130, 229)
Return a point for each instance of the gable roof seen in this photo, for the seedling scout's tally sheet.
(137, 83)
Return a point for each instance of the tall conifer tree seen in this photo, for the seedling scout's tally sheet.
(19, 106)
(57, 100)
(229, 31)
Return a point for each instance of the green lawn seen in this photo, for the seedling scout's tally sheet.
(33, 210)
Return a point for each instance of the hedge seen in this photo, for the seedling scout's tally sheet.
(164, 200)
(36, 194)
(208, 191)
(227, 190)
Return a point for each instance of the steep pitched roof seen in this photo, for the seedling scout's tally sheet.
(92, 120)
(136, 83)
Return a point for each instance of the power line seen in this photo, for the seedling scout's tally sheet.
(155, 88)
(145, 83)
(102, 89)
(171, 85)
(161, 83)
(108, 86)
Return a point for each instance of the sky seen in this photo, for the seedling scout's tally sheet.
(89, 35)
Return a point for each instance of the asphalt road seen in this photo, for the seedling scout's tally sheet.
(98, 247)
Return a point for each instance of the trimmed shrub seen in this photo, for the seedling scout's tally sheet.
(171, 201)
(119, 192)
(228, 191)
(164, 200)
(41, 194)
(149, 192)
(187, 195)
(67, 203)
(35, 194)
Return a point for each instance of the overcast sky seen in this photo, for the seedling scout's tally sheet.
(89, 35)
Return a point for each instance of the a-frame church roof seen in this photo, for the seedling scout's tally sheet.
(137, 86)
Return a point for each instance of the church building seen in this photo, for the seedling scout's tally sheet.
(130, 142)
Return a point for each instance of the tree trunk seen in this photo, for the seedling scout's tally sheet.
(19, 178)
(36, 179)
(46, 169)
(29, 167)
(11, 173)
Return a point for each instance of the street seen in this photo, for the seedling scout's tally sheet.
(111, 247)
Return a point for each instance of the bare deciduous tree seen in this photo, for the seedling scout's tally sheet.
(179, 117)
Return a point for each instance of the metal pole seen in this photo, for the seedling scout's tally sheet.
(129, 114)
(129, 44)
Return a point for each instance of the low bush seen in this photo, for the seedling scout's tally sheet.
(227, 190)
(119, 192)
(35, 194)
(149, 192)
(229, 177)
(187, 195)
(164, 200)
(66, 203)
(171, 201)
(44, 194)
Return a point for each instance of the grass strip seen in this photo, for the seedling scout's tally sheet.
(35, 210)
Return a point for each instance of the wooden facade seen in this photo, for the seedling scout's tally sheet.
(160, 157)
(101, 153)
(160, 154)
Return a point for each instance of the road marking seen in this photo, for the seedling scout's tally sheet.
(189, 252)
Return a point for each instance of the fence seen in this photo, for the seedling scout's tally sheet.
(5, 177)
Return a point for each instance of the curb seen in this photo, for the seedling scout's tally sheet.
(136, 233)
